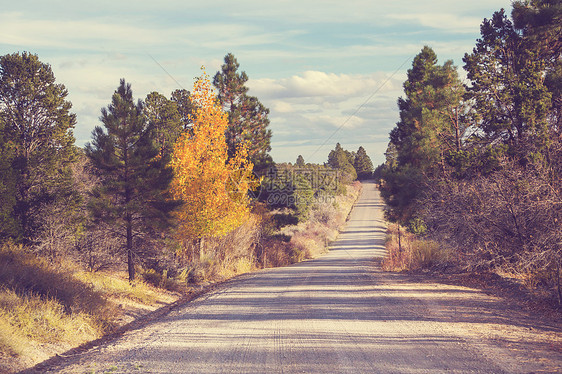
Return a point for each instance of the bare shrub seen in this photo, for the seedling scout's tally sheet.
(324, 213)
(509, 219)
(57, 234)
(406, 251)
(276, 253)
(97, 249)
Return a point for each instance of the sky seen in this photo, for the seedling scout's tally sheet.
(329, 71)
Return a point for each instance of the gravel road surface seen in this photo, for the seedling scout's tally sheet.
(336, 314)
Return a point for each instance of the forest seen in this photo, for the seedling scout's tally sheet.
(473, 169)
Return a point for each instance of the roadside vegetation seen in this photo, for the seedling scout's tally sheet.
(171, 194)
(473, 169)
(407, 251)
(48, 308)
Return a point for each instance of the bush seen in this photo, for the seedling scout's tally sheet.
(427, 253)
(507, 220)
(405, 251)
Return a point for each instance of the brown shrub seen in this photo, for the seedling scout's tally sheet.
(407, 252)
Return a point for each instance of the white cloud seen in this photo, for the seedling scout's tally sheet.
(318, 84)
(282, 107)
(451, 22)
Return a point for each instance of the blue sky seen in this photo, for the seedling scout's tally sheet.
(330, 71)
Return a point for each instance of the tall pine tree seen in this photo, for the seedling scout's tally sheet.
(431, 116)
(363, 164)
(540, 24)
(131, 196)
(342, 160)
(165, 120)
(38, 144)
(247, 118)
(508, 87)
(185, 106)
(433, 120)
(8, 224)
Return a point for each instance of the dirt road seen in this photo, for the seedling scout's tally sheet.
(335, 314)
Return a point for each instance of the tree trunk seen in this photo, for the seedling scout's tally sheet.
(457, 132)
(130, 257)
(558, 282)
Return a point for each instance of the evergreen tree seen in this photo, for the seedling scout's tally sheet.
(431, 130)
(8, 224)
(185, 107)
(338, 158)
(432, 117)
(247, 117)
(38, 144)
(134, 180)
(303, 196)
(300, 161)
(363, 164)
(342, 160)
(165, 120)
(540, 24)
(508, 87)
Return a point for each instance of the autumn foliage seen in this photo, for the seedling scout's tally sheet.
(212, 187)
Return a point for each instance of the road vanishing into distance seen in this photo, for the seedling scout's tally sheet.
(336, 314)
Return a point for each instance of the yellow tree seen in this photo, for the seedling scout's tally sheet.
(212, 187)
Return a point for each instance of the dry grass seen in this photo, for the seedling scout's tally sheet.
(407, 252)
(30, 319)
(114, 286)
(48, 308)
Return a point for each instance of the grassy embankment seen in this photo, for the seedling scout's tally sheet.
(47, 308)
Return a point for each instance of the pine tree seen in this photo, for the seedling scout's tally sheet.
(300, 161)
(363, 164)
(342, 160)
(337, 158)
(8, 224)
(165, 120)
(431, 130)
(134, 178)
(38, 144)
(432, 116)
(182, 98)
(540, 24)
(507, 86)
(247, 118)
